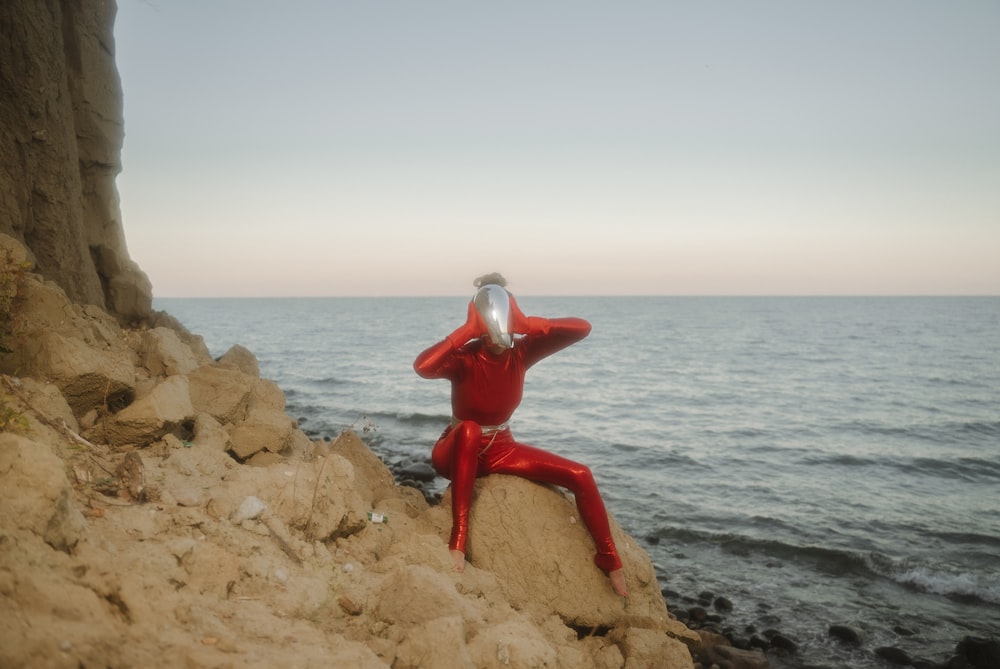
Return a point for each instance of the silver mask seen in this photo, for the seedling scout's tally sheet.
(493, 304)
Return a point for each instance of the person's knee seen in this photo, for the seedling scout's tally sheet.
(583, 477)
(468, 434)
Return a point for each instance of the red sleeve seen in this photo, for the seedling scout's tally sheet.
(546, 336)
(434, 363)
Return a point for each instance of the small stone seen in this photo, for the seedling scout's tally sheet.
(249, 508)
(784, 643)
(697, 614)
(350, 606)
(845, 634)
(419, 471)
(722, 604)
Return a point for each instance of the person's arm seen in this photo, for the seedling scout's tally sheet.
(432, 362)
(545, 336)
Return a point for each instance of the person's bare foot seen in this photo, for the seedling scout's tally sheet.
(459, 558)
(618, 582)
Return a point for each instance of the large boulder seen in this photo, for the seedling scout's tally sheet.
(532, 538)
(162, 353)
(153, 415)
(90, 378)
(80, 349)
(222, 393)
(35, 494)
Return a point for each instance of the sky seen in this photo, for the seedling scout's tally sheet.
(368, 148)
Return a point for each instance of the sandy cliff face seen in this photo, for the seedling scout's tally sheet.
(61, 133)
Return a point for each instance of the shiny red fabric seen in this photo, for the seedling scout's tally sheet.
(486, 388)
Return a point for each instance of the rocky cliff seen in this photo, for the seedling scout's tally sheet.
(61, 134)
(160, 508)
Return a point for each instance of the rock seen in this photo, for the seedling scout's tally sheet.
(222, 393)
(132, 474)
(722, 604)
(981, 653)
(375, 481)
(418, 471)
(164, 354)
(240, 359)
(782, 642)
(188, 497)
(151, 416)
(845, 634)
(249, 509)
(697, 614)
(735, 658)
(649, 647)
(416, 594)
(264, 431)
(88, 378)
(529, 535)
(35, 495)
(440, 642)
(894, 655)
(511, 644)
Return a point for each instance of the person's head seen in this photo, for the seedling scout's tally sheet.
(493, 304)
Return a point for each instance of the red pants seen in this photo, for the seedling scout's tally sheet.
(464, 453)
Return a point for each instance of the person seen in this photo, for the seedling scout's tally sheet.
(486, 359)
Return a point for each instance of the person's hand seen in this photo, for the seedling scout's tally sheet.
(519, 322)
(526, 325)
(472, 328)
(474, 323)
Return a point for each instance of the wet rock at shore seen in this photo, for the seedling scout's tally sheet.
(979, 653)
(845, 634)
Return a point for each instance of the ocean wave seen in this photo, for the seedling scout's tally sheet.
(963, 469)
(969, 538)
(412, 419)
(827, 560)
(839, 460)
(958, 468)
(939, 579)
(947, 432)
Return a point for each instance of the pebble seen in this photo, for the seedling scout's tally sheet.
(249, 508)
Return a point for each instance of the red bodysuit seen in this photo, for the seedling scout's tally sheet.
(486, 388)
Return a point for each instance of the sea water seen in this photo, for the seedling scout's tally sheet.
(817, 461)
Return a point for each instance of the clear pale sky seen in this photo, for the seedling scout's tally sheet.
(594, 148)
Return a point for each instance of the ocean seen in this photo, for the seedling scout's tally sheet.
(815, 460)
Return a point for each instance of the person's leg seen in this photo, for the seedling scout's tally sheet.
(456, 457)
(539, 465)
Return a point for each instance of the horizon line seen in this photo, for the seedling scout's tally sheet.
(589, 296)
